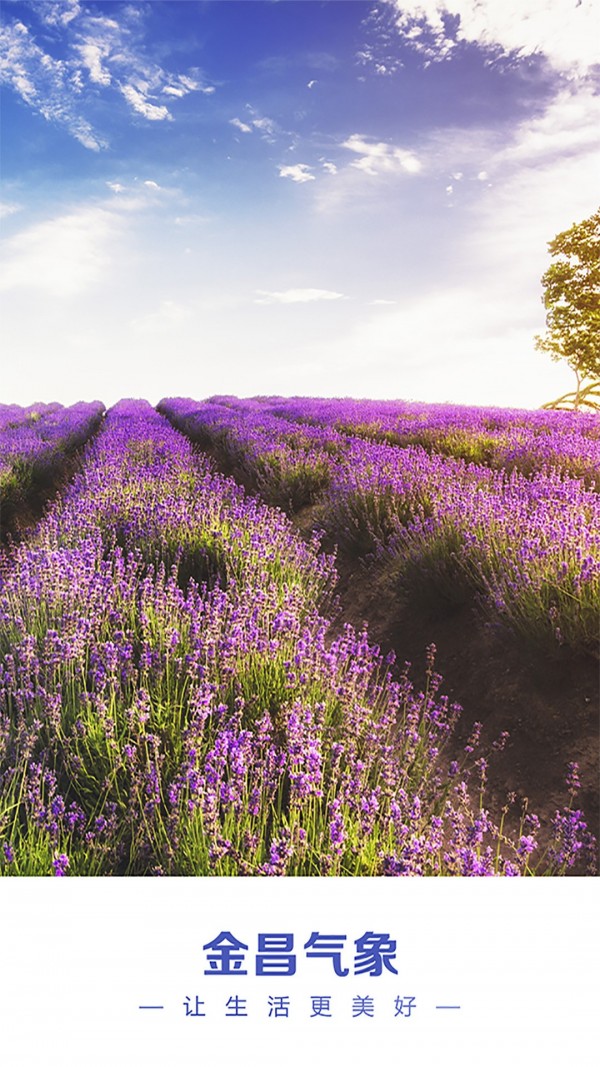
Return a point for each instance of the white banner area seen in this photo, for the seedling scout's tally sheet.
(268, 971)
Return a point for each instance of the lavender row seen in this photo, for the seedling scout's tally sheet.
(527, 548)
(35, 441)
(288, 463)
(13, 415)
(508, 439)
(171, 700)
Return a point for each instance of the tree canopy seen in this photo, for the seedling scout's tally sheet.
(572, 298)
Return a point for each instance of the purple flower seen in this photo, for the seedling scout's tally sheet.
(527, 844)
(60, 864)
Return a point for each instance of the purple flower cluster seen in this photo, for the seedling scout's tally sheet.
(504, 438)
(289, 464)
(527, 545)
(35, 441)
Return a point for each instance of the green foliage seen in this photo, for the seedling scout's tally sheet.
(572, 298)
(291, 479)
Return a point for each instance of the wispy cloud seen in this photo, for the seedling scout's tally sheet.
(570, 126)
(8, 208)
(242, 126)
(47, 85)
(267, 128)
(98, 55)
(377, 157)
(92, 54)
(61, 256)
(483, 318)
(564, 31)
(140, 103)
(298, 172)
(193, 220)
(544, 180)
(568, 129)
(296, 296)
(358, 180)
(182, 85)
(73, 252)
(463, 162)
(265, 125)
(60, 13)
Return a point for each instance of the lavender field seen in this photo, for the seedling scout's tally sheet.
(205, 613)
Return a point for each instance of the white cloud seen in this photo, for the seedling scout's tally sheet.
(77, 251)
(143, 106)
(243, 126)
(377, 157)
(565, 31)
(191, 84)
(61, 256)
(60, 14)
(569, 126)
(99, 54)
(182, 85)
(296, 296)
(298, 172)
(43, 83)
(470, 339)
(354, 183)
(192, 220)
(92, 55)
(469, 162)
(568, 131)
(266, 127)
(537, 193)
(7, 208)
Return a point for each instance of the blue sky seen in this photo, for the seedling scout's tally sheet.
(293, 197)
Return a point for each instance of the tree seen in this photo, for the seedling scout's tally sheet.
(572, 301)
